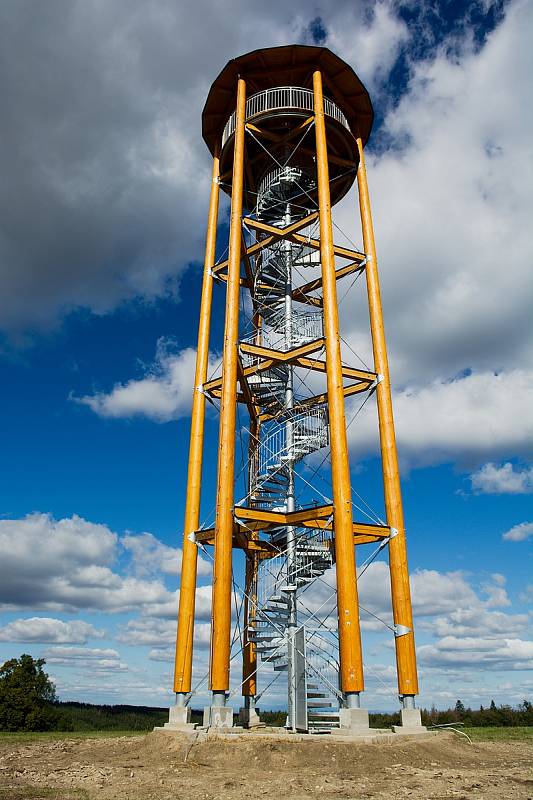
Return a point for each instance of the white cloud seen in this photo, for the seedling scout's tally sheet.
(465, 419)
(493, 479)
(519, 533)
(486, 652)
(64, 565)
(202, 640)
(475, 622)
(111, 183)
(441, 216)
(90, 659)
(148, 631)
(46, 629)
(80, 652)
(452, 204)
(372, 44)
(162, 394)
(150, 556)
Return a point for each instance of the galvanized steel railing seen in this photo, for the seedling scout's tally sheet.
(283, 98)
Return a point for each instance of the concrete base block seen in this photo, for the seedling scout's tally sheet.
(249, 718)
(218, 717)
(179, 715)
(354, 720)
(179, 719)
(411, 722)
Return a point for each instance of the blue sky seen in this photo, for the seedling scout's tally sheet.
(104, 200)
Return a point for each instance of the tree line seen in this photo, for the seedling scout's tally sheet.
(28, 702)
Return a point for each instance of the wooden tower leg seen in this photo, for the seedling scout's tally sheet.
(351, 665)
(184, 639)
(399, 574)
(221, 608)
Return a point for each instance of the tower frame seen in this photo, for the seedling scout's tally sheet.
(250, 99)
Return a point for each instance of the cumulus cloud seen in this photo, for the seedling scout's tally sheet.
(104, 186)
(519, 533)
(486, 652)
(65, 565)
(504, 479)
(452, 205)
(150, 556)
(162, 394)
(91, 659)
(202, 640)
(464, 419)
(475, 622)
(373, 45)
(440, 224)
(47, 629)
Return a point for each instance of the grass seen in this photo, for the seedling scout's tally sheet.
(487, 734)
(518, 733)
(53, 736)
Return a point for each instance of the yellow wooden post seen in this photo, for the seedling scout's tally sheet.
(399, 574)
(351, 665)
(184, 639)
(221, 602)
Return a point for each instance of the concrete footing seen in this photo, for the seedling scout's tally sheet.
(218, 717)
(354, 721)
(179, 719)
(411, 722)
(249, 718)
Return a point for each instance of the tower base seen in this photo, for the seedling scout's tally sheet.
(354, 721)
(179, 718)
(411, 722)
(218, 717)
(249, 718)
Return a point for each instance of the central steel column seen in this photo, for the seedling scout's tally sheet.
(221, 602)
(290, 501)
(351, 664)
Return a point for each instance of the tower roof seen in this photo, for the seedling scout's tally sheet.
(291, 65)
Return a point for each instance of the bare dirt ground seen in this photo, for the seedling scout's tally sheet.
(163, 767)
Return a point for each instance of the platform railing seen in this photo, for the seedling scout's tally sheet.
(282, 98)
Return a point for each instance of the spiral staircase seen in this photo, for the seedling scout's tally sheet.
(305, 652)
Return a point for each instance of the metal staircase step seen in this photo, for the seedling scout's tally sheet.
(279, 598)
(324, 714)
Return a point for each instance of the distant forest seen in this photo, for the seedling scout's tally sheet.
(87, 717)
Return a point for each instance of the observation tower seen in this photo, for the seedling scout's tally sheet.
(286, 128)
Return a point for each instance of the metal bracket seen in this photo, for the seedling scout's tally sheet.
(192, 537)
(401, 630)
(393, 532)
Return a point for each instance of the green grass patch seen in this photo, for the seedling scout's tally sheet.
(493, 734)
(53, 736)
